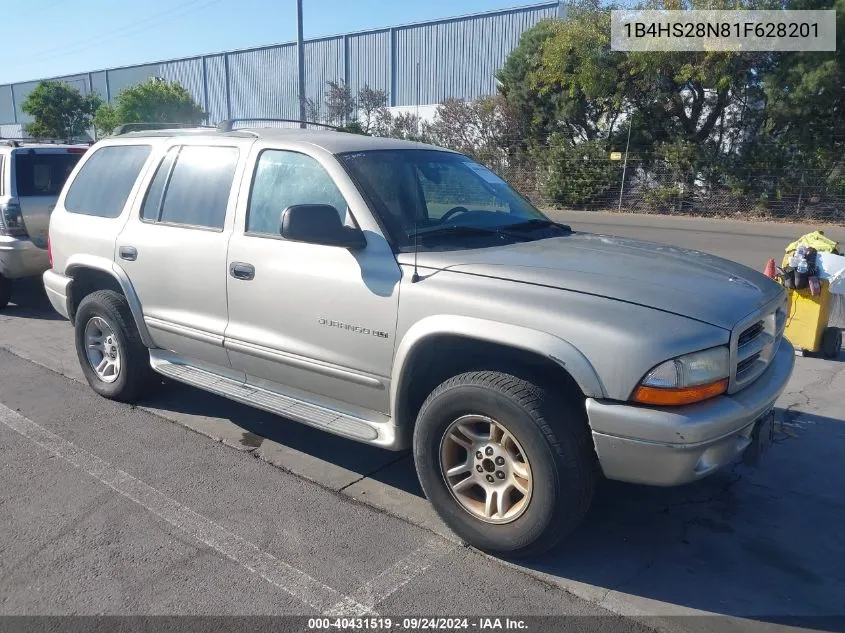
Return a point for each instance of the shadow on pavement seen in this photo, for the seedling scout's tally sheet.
(30, 301)
(760, 543)
(755, 543)
(259, 425)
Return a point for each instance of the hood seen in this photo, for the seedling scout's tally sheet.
(685, 282)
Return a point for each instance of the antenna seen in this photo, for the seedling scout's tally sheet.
(416, 276)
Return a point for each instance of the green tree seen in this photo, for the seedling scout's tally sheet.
(538, 115)
(153, 101)
(805, 102)
(59, 110)
(485, 129)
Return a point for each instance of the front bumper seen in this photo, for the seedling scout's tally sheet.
(21, 258)
(669, 446)
(56, 287)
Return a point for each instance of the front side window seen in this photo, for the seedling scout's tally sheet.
(191, 187)
(443, 200)
(283, 179)
(102, 186)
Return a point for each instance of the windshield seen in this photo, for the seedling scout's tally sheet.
(42, 173)
(441, 198)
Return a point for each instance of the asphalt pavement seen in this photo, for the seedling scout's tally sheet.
(191, 504)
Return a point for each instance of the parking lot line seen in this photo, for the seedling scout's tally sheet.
(293, 581)
(392, 579)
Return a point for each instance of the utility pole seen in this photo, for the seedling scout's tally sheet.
(625, 164)
(300, 63)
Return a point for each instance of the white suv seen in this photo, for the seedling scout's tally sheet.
(31, 177)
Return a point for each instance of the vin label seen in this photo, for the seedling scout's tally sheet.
(658, 30)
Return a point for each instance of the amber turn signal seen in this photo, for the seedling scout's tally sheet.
(664, 396)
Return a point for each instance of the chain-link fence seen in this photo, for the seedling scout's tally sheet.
(566, 179)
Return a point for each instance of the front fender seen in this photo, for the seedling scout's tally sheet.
(542, 343)
(77, 262)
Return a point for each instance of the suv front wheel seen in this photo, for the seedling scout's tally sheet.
(113, 358)
(507, 465)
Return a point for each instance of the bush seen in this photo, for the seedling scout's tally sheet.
(571, 174)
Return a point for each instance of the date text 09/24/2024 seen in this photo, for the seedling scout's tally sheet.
(417, 624)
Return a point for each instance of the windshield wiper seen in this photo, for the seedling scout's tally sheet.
(459, 229)
(537, 223)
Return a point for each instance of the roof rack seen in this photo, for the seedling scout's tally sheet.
(228, 124)
(141, 127)
(20, 142)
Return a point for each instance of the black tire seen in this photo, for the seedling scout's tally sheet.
(5, 291)
(555, 437)
(831, 342)
(135, 372)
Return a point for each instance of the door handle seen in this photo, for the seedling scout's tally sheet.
(129, 253)
(240, 270)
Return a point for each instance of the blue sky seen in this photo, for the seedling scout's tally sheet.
(82, 35)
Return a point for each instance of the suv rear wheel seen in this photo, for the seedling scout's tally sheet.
(114, 360)
(5, 291)
(506, 464)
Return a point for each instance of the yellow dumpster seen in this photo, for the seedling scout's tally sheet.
(807, 322)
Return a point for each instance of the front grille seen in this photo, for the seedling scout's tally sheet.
(745, 364)
(751, 333)
(754, 345)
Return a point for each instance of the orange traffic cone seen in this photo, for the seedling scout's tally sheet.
(769, 271)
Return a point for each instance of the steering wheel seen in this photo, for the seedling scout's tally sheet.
(453, 211)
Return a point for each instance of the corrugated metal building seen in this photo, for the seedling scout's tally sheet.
(416, 64)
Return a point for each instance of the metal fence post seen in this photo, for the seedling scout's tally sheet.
(801, 191)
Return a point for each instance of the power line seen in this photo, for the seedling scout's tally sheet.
(146, 24)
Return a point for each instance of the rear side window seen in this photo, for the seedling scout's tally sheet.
(2, 178)
(42, 174)
(195, 190)
(102, 186)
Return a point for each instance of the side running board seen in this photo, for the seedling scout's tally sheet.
(379, 433)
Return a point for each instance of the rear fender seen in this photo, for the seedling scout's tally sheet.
(78, 262)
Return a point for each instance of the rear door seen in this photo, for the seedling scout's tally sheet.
(173, 248)
(37, 176)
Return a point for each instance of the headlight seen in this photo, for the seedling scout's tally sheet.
(686, 379)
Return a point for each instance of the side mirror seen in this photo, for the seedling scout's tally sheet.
(319, 224)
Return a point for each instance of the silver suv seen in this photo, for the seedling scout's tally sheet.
(404, 296)
(31, 176)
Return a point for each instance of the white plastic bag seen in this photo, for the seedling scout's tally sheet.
(829, 265)
(837, 283)
(837, 300)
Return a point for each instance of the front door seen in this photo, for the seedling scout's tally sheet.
(174, 250)
(317, 319)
